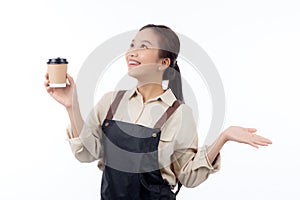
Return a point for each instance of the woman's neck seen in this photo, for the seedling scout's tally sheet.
(150, 91)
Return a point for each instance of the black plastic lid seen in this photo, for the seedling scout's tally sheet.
(57, 61)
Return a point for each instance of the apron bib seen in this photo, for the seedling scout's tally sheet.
(131, 170)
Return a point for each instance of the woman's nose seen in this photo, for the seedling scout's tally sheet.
(133, 52)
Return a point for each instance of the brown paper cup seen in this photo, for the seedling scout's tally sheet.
(57, 71)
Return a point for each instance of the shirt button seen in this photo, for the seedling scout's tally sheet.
(154, 135)
(106, 124)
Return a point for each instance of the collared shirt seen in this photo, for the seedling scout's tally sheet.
(179, 156)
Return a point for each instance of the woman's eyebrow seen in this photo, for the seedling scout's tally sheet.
(144, 41)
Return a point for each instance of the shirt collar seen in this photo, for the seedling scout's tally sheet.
(167, 97)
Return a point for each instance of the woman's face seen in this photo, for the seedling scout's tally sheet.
(143, 55)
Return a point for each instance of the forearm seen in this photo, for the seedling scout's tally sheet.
(88, 147)
(214, 149)
(75, 119)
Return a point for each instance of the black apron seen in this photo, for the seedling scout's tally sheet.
(131, 168)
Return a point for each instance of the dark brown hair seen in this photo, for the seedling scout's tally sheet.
(169, 48)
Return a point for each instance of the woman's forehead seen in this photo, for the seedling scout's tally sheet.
(147, 35)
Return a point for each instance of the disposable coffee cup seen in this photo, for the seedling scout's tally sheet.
(57, 71)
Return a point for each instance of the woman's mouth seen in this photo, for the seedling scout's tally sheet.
(133, 63)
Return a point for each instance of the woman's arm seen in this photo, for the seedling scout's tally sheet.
(84, 136)
(236, 134)
(75, 119)
(190, 162)
(68, 98)
(193, 165)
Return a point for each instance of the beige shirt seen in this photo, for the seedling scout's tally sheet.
(178, 152)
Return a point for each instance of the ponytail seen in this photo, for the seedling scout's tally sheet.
(173, 75)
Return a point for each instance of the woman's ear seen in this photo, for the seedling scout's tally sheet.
(166, 62)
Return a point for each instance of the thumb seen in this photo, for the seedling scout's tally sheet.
(251, 130)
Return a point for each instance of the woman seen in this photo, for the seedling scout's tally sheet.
(145, 139)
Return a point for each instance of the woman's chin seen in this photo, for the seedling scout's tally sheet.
(143, 72)
(133, 73)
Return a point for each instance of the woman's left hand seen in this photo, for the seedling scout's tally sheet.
(245, 135)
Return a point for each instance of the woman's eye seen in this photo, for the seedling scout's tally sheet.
(144, 46)
(131, 45)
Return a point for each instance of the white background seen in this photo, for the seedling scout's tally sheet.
(254, 44)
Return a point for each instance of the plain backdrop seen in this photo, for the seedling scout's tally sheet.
(255, 46)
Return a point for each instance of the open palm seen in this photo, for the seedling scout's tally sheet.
(246, 135)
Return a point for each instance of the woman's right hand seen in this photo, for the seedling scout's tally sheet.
(65, 95)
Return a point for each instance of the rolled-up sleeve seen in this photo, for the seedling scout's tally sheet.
(191, 163)
(88, 146)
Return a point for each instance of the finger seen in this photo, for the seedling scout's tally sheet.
(46, 83)
(252, 144)
(266, 140)
(260, 143)
(263, 139)
(47, 76)
(49, 90)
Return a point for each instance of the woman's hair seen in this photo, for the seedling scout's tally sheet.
(169, 48)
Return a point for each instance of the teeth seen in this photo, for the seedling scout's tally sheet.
(133, 63)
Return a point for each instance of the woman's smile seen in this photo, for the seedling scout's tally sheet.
(133, 63)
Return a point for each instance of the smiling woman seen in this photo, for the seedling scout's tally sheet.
(145, 138)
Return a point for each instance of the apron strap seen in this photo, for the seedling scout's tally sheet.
(167, 114)
(178, 188)
(163, 119)
(113, 107)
